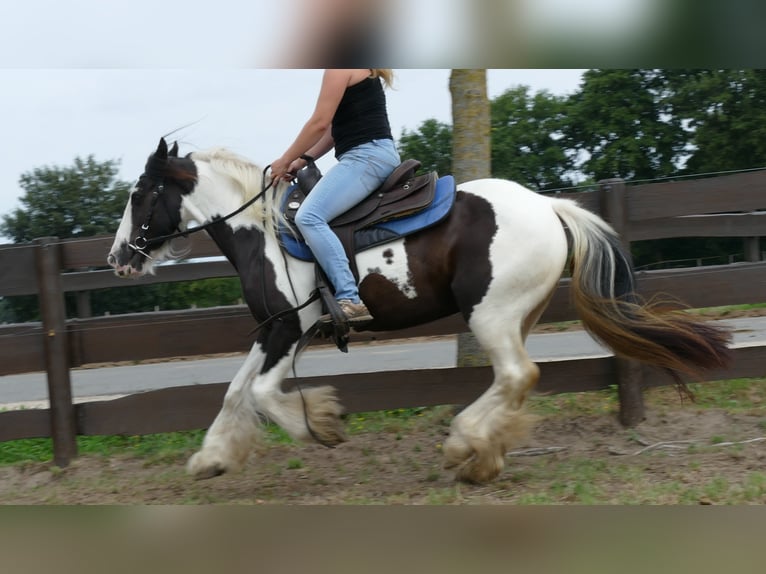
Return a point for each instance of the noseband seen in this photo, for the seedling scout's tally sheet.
(141, 242)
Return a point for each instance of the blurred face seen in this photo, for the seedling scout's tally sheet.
(336, 33)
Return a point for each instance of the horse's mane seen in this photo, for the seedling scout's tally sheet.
(248, 178)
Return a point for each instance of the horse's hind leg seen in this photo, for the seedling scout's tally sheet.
(483, 432)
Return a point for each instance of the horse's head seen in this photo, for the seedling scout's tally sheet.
(154, 210)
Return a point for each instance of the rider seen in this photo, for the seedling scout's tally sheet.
(351, 116)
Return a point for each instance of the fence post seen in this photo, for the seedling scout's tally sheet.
(752, 248)
(53, 313)
(83, 305)
(628, 372)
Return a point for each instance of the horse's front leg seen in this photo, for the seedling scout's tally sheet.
(236, 428)
(312, 413)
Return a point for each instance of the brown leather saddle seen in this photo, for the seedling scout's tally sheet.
(402, 193)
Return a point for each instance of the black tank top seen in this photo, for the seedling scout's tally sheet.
(361, 116)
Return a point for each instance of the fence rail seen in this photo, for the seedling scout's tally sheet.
(728, 206)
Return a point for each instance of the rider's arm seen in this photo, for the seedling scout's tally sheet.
(325, 144)
(315, 130)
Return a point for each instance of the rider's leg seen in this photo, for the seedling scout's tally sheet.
(358, 173)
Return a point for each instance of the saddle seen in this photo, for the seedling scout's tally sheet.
(403, 193)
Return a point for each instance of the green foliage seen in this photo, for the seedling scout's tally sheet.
(431, 144)
(726, 117)
(164, 296)
(527, 144)
(624, 123)
(19, 309)
(160, 444)
(83, 200)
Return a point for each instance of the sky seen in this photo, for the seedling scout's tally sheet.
(50, 116)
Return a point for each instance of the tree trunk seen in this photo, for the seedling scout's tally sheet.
(470, 160)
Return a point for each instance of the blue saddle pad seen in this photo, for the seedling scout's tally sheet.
(390, 230)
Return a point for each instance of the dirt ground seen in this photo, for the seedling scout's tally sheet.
(679, 455)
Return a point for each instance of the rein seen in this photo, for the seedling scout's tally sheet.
(141, 242)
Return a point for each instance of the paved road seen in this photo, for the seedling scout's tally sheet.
(30, 389)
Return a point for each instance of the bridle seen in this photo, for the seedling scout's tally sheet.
(141, 242)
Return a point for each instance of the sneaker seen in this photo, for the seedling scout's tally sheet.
(354, 312)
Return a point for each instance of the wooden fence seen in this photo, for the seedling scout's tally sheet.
(729, 206)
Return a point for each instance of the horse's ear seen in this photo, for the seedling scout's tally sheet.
(162, 149)
(173, 150)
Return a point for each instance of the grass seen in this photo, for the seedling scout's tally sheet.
(168, 447)
(736, 395)
(393, 420)
(155, 447)
(724, 310)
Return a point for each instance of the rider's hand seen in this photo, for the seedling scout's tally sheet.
(296, 165)
(281, 169)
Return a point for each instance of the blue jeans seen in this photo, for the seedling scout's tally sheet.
(359, 172)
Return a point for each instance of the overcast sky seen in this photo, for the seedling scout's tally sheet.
(51, 116)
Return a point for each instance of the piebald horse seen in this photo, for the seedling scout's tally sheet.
(496, 259)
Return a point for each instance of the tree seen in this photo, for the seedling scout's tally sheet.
(624, 124)
(78, 201)
(647, 124)
(527, 139)
(470, 125)
(83, 200)
(471, 160)
(431, 144)
(724, 112)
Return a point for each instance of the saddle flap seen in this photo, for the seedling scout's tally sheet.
(406, 170)
(405, 196)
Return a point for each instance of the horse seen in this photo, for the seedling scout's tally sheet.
(496, 258)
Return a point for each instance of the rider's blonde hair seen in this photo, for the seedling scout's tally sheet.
(387, 74)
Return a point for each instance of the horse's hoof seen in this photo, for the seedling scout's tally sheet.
(211, 472)
(470, 464)
(201, 471)
(478, 470)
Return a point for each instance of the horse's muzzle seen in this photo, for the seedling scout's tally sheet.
(124, 270)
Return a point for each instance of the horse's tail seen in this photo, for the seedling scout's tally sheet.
(603, 291)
